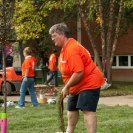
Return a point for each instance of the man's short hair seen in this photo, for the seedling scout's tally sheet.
(60, 28)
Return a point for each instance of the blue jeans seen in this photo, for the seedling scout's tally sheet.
(53, 75)
(24, 86)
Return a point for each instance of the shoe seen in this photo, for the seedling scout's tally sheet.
(105, 86)
(51, 84)
(19, 107)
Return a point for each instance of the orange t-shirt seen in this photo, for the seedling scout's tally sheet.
(75, 58)
(29, 63)
(52, 62)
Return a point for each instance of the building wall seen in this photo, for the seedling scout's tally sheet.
(124, 47)
(125, 43)
(122, 75)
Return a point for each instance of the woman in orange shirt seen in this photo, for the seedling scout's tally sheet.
(81, 76)
(28, 68)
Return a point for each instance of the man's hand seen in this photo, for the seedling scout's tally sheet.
(25, 79)
(65, 92)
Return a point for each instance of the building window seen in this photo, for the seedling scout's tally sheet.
(131, 60)
(114, 61)
(123, 60)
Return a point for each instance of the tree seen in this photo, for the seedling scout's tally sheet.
(107, 16)
(31, 24)
(29, 18)
(110, 33)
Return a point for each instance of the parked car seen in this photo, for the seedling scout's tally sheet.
(13, 80)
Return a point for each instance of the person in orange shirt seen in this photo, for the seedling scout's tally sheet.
(81, 76)
(53, 68)
(28, 74)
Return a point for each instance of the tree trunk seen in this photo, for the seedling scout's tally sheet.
(109, 41)
(103, 36)
(120, 14)
(93, 43)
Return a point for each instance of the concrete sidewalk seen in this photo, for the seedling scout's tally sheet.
(117, 100)
(109, 101)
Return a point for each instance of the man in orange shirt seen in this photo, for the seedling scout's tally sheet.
(53, 68)
(28, 74)
(81, 76)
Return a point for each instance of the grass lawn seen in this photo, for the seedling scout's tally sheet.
(118, 89)
(44, 119)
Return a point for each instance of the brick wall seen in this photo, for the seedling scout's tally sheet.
(122, 75)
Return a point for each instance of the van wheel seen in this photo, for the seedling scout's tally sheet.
(9, 88)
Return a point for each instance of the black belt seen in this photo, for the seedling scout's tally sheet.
(29, 77)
